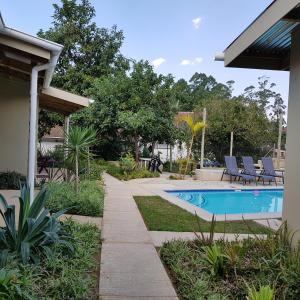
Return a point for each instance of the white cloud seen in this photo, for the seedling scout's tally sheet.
(158, 61)
(186, 62)
(199, 60)
(189, 62)
(197, 22)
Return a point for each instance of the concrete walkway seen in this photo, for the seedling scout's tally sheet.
(130, 265)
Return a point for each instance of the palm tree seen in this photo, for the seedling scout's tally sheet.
(79, 140)
(194, 127)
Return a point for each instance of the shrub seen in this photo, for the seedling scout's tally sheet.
(127, 163)
(264, 293)
(11, 180)
(36, 230)
(96, 171)
(61, 275)
(175, 166)
(270, 265)
(9, 284)
(89, 200)
(146, 153)
(215, 258)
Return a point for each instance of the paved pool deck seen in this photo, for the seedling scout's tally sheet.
(130, 265)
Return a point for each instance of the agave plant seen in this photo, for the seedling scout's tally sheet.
(215, 258)
(36, 230)
(265, 292)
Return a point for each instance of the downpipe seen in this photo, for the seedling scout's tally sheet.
(33, 124)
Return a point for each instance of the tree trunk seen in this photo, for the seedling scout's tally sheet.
(153, 147)
(136, 148)
(76, 174)
(88, 163)
(188, 156)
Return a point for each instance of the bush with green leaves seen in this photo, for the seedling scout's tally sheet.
(260, 268)
(127, 163)
(11, 180)
(264, 293)
(117, 172)
(61, 275)
(9, 284)
(77, 146)
(36, 229)
(89, 200)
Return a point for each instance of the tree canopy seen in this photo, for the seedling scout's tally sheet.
(134, 105)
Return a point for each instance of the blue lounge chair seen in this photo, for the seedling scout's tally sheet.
(249, 169)
(269, 168)
(233, 171)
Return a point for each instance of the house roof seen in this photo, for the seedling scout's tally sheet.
(1, 21)
(266, 42)
(62, 102)
(20, 52)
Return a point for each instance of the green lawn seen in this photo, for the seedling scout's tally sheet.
(160, 215)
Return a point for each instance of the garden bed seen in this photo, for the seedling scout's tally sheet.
(88, 202)
(118, 172)
(161, 215)
(253, 269)
(63, 274)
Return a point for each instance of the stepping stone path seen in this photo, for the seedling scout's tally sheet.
(130, 265)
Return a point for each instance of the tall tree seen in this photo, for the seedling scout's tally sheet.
(135, 105)
(89, 51)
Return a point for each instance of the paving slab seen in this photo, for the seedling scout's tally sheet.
(130, 265)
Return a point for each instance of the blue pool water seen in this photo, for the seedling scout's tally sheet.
(234, 201)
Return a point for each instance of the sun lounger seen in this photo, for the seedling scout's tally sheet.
(249, 169)
(269, 168)
(233, 171)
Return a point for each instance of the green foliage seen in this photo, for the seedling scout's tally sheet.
(128, 106)
(79, 140)
(96, 170)
(63, 274)
(89, 200)
(89, 51)
(9, 284)
(175, 166)
(11, 180)
(255, 269)
(119, 173)
(36, 230)
(146, 153)
(264, 293)
(215, 258)
(127, 163)
(48, 120)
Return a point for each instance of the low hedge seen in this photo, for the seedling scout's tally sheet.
(118, 172)
(89, 201)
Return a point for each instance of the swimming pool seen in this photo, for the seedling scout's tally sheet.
(220, 202)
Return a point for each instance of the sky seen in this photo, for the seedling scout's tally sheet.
(177, 36)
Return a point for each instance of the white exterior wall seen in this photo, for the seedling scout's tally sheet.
(291, 209)
(177, 151)
(14, 124)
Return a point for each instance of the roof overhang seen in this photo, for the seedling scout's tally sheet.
(19, 52)
(62, 102)
(266, 43)
(1, 21)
